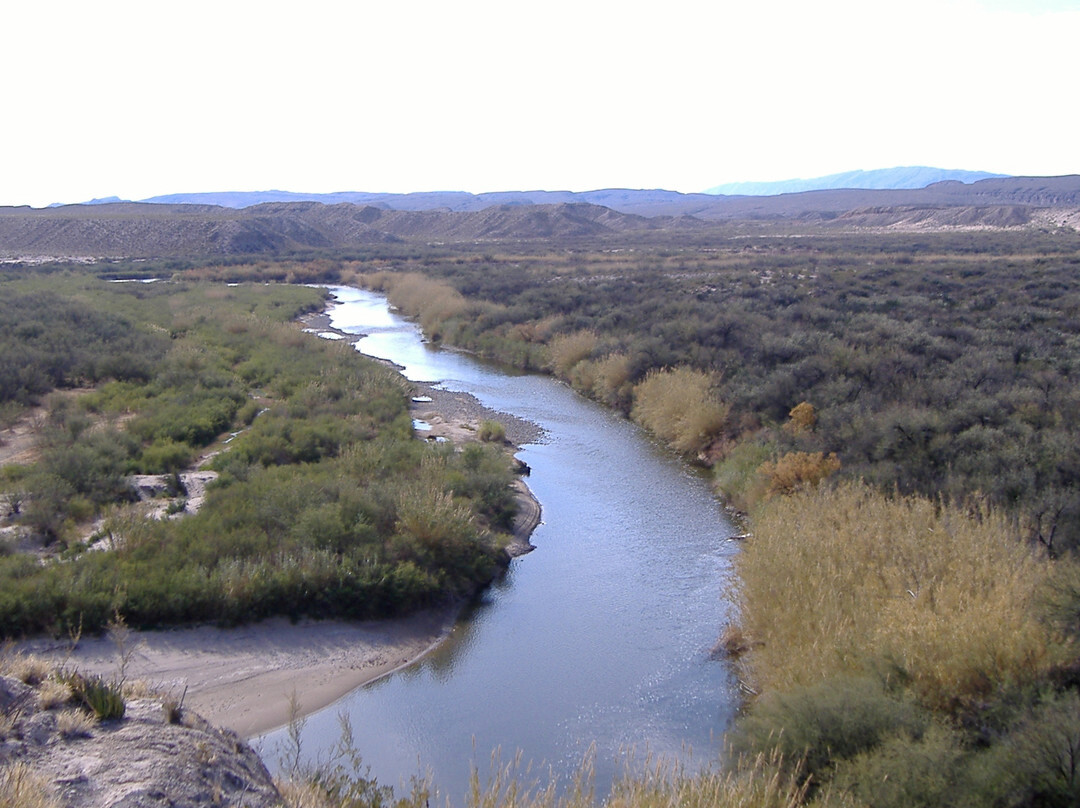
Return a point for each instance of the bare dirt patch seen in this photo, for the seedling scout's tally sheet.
(18, 443)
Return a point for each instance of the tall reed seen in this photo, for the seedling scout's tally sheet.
(848, 580)
(680, 406)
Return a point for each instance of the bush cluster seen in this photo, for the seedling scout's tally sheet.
(326, 504)
(906, 650)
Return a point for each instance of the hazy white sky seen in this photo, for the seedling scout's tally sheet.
(135, 99)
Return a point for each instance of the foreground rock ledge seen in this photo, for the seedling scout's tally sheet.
(139, 761)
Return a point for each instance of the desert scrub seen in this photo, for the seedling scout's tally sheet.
(848, 581)
(313, 512)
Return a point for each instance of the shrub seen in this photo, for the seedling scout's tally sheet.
(165, 455)
(104, 699)
(826, 722)
(802, 418)
(923, 771)
(736, 476)
(680, 407)
(1036, 763)
(849, 580)
(491, 432)
(797, 470)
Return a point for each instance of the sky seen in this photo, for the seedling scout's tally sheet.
(135, 99)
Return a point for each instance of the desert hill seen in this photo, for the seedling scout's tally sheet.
(1045, 191)
(133, 229)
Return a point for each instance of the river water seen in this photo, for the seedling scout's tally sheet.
(597, 643)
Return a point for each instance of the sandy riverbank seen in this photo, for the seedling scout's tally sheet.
(244, 678)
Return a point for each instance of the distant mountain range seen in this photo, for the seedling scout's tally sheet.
(615, 198)
(879, 179)
(340, 221)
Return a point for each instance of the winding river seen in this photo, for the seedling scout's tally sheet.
(597, 643)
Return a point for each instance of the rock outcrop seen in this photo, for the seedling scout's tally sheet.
(153, 756)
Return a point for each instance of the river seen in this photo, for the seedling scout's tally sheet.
(598, 642)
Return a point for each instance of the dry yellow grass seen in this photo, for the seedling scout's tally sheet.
(567, 350)
(761, 782)
(849, 580)
(74, 723)
(22, 787)
(431, 302)
(53, 693)
(680, 406)
(606, 379)
(28, 669)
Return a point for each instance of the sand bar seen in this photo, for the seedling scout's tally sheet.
(243, 678)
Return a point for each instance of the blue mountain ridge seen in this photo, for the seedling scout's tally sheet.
(902, 177)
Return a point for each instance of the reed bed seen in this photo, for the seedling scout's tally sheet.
(847, 580)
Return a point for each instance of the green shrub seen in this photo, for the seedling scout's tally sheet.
(1038, 761)
(165, 455)
(927, 770)
(827, 722)
(104, 699)
(736, 475)
(491, 432)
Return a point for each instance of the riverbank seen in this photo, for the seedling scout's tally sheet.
(456, 417)
(253, 678)
(246, 678)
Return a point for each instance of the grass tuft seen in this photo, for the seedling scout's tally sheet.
(22, 787)
(74, 724)
(104, 699)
